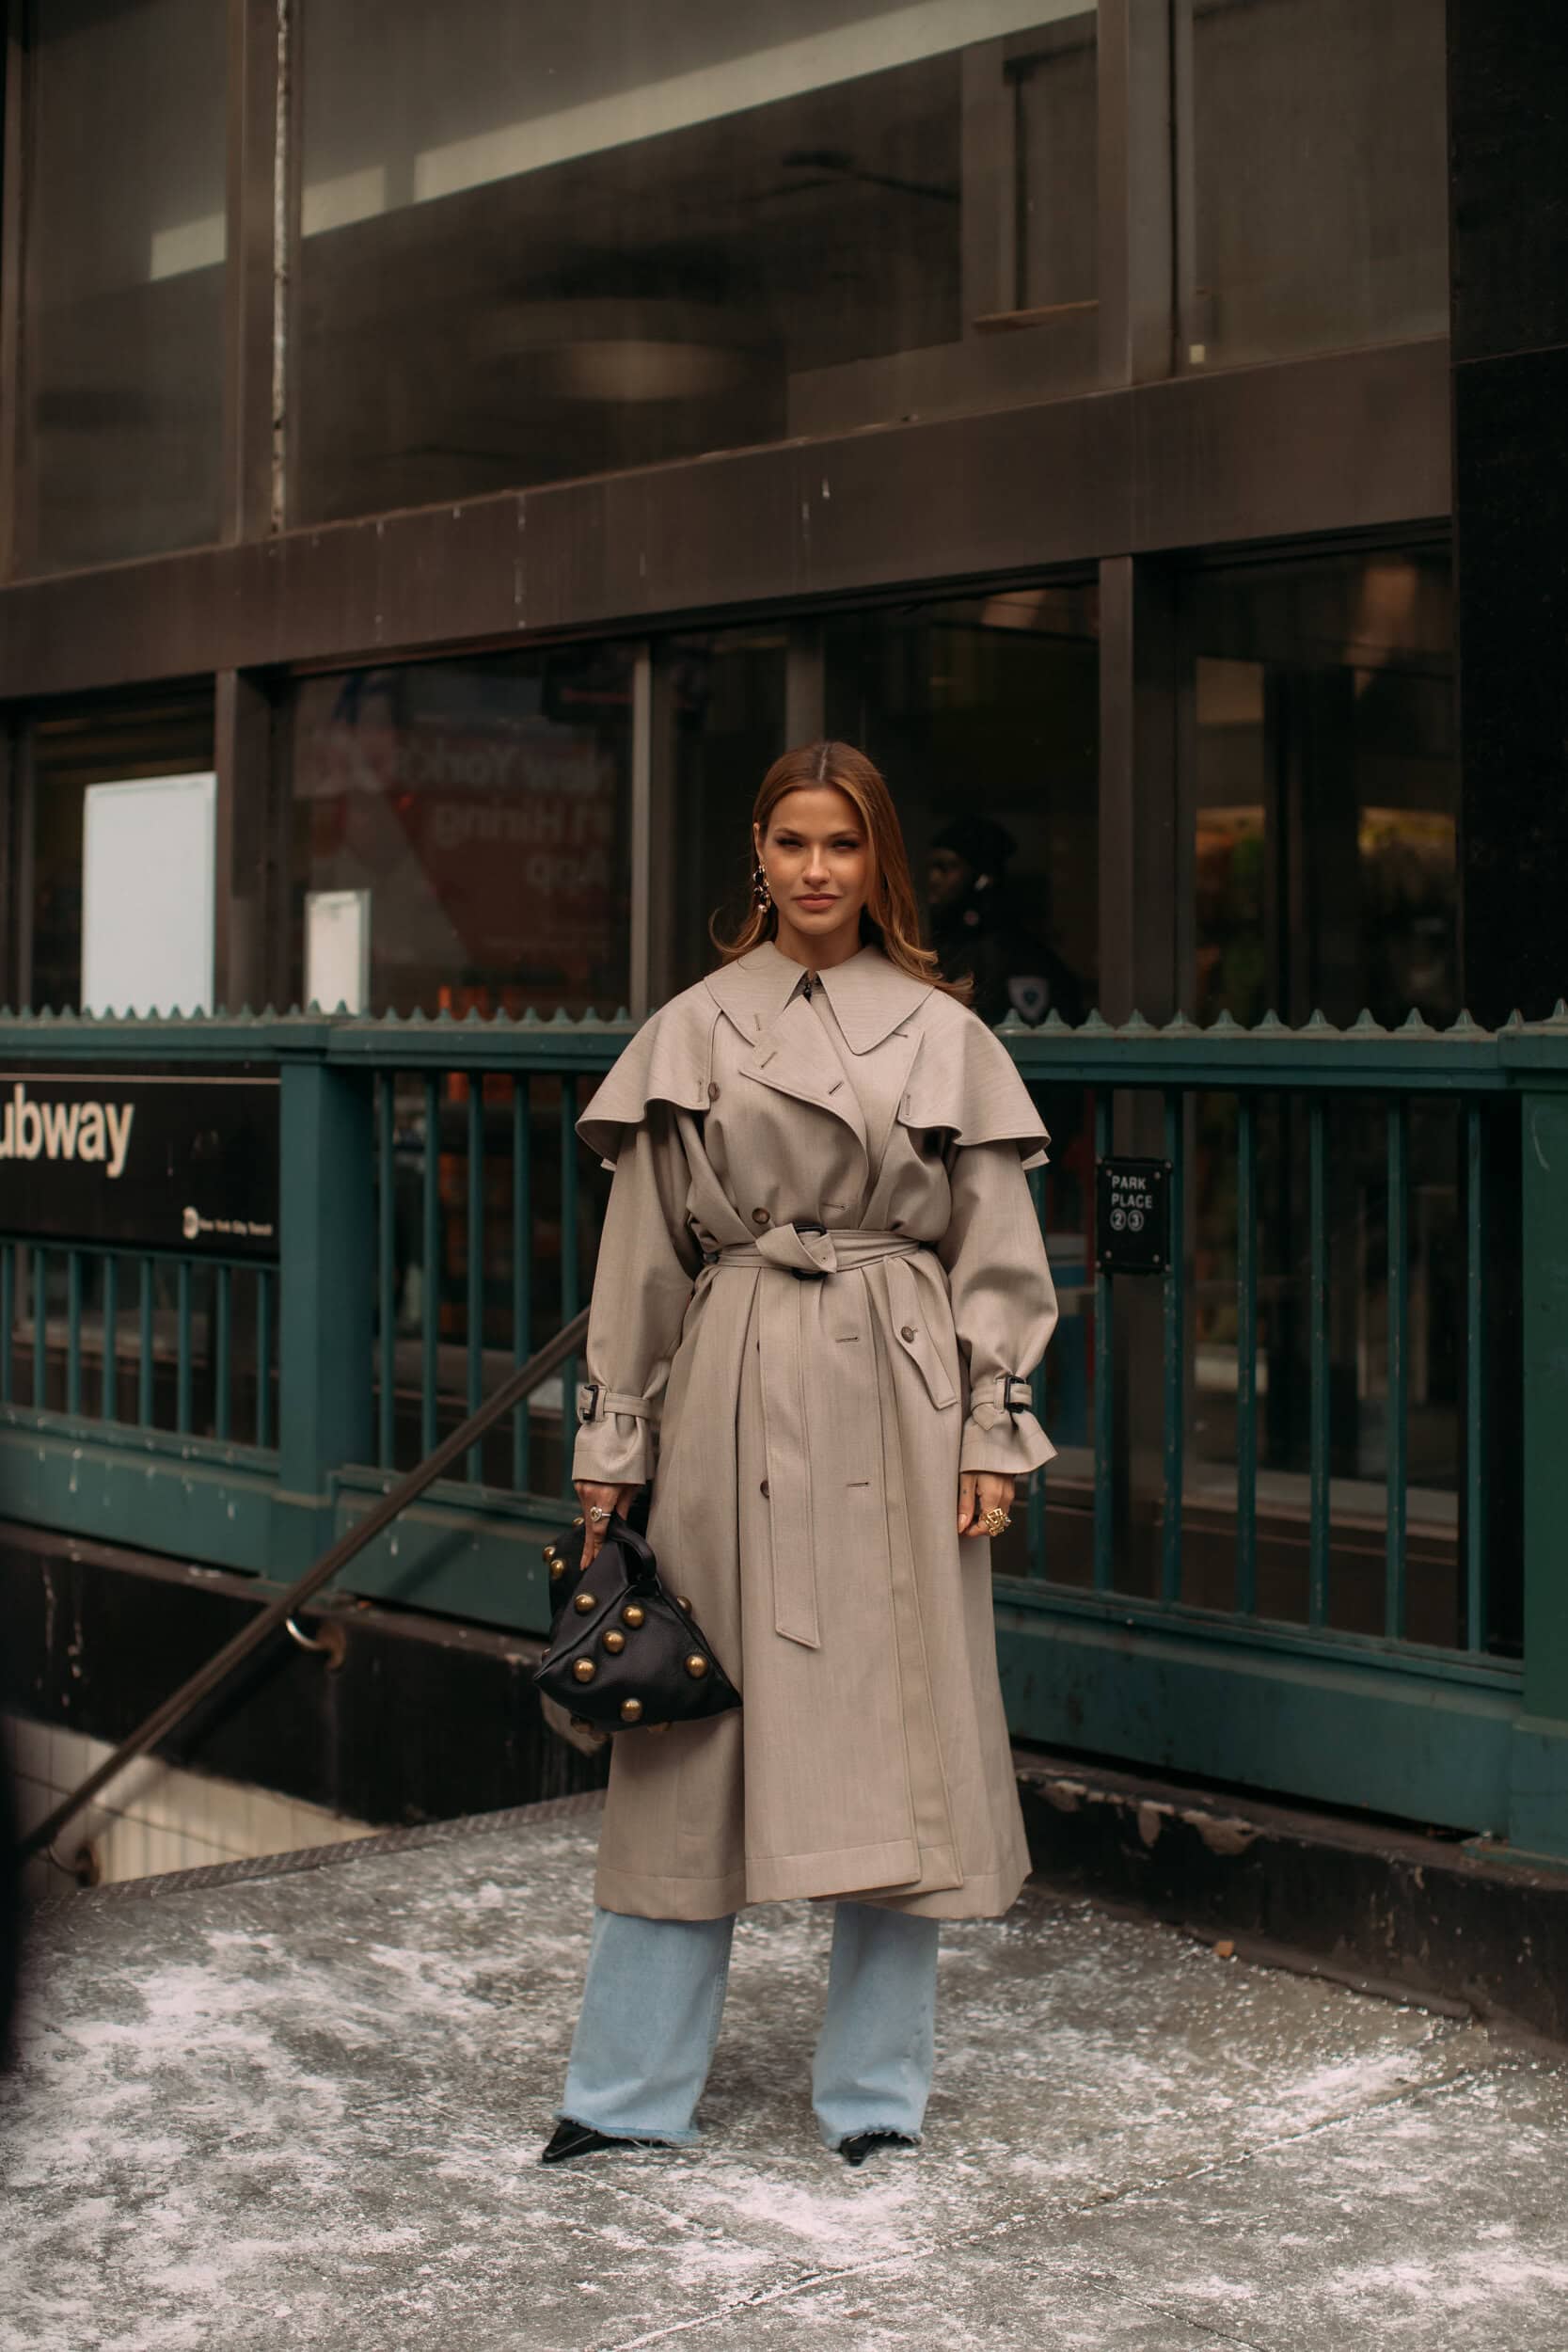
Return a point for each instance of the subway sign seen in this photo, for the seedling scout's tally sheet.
(176, 1159)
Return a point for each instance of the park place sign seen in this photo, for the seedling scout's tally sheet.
(169, 1159)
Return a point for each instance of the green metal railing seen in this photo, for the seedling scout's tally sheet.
(1319, 1070)
(139, 1336)
(1239, 1604)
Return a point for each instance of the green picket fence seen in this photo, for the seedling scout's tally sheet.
(1302, 1529)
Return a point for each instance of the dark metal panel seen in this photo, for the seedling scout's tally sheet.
(246, 881)
(433, 575)
(98, 1635)
(966, 495)
(1134, 181)
(1508, 176)
(249, 284)
(1183, 183)
(1350, 441)
(723, 531)
(11, 227)
(989, 175)
(11, 845)
(436, 575)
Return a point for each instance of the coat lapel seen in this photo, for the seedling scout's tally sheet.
(793, 1057)
(869, 998)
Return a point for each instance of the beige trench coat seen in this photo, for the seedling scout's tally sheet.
(804, 1403)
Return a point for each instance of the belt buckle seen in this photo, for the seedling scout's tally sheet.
(807, 1274)
(589, 1394)
(1014, 1405)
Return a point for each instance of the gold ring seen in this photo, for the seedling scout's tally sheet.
(995, 1520)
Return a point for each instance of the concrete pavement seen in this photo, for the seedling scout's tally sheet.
(299, 2103)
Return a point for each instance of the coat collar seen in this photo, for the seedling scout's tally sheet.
(869, 996)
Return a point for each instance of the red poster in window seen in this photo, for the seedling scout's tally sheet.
(492, 839)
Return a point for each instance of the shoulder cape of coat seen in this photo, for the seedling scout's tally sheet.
(962, 1080)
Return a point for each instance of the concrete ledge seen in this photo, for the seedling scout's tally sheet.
(286, 1864)
(1465, 1930)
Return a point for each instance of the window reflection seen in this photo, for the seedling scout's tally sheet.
(1326, 786)
(983, 714)
(1318, 177)
(123, 291)
(550, 242)
(483, 806)
(719, 702)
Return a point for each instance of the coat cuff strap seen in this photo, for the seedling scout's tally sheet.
(596, 1403)
(997, 1401)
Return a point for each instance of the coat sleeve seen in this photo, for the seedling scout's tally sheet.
(648, 1260)
(1004, 1303)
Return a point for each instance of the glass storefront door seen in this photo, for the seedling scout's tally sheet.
(1326, 786)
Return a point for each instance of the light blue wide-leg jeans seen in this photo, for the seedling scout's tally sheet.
(655, 1995)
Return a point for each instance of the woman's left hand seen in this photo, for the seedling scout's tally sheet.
(979, 1491)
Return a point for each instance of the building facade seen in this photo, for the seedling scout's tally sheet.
(480, 438)
(483, 439)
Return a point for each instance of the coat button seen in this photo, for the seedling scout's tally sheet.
(764, 1488)
(713, 1089)
(759, 1216)
(906, 1330)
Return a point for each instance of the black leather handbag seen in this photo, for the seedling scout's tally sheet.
(623, 1653)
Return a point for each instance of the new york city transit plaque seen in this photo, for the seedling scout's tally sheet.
(1133, 1216)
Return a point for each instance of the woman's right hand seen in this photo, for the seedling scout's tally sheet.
(607, 1499)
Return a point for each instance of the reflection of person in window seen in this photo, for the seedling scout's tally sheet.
(977, 928)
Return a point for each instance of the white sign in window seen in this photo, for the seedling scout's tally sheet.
(148, 877)
(338, 949)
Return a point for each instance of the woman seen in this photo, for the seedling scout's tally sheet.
(821, 1279)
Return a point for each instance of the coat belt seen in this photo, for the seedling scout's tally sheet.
(784, 1312)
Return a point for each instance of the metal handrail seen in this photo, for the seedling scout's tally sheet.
(274, 1618)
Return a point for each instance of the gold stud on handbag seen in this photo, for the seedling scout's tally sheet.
(623, 1651)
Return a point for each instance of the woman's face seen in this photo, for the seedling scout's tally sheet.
(817, 860)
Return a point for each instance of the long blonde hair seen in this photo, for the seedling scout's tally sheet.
(888, 919)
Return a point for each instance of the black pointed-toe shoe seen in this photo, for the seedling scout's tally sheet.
(858, 2146)
(570, 2139)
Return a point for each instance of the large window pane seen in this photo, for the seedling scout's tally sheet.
(982, 712)
(1318, 175)
(1326, 786)
(122, 358)
(483, 805)
(546, 242)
